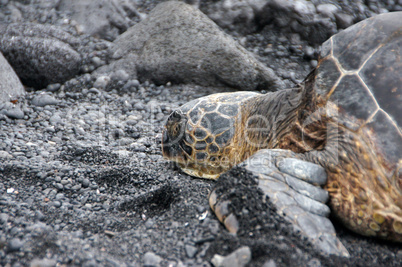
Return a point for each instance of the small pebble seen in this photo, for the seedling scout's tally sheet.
(240, 257)
(121, 75)
(131, 84)
(85, 182)
(5, 155)
(15, 244)
(94, 91)
(39, 215)
(44, 100)
(269, 263)
(151, 259)
(102, 82)
(14, 113)
(149, 223)
(43, 263)
(343, 20)
(190, 251)
(314, 262)
(3, 218)
(57, 204)
(53, 87)
(327, 9)
(97, 61)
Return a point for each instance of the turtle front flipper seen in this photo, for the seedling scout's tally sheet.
(301, 203)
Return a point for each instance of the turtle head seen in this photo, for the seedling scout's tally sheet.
(173, 146)
(181, 144)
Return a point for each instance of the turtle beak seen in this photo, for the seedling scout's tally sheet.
(165, 138)
(171, 149)
(168, 148)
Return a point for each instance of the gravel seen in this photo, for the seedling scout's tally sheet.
(83, 181)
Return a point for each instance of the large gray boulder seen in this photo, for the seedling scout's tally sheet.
(10, 86)
(177, 43)
(40, 54)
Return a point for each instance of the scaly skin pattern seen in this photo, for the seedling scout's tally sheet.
(362, 195)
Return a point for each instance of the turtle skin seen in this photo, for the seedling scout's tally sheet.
(345, 116)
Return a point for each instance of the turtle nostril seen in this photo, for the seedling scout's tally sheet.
(176, 115)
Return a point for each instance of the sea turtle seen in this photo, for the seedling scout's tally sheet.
(345, 116)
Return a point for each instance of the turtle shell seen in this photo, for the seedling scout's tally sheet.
(360, 72)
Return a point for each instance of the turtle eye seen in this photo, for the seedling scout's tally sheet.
(176, 125)
(176, 130)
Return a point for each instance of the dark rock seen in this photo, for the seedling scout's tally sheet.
(40, 54)
(189, 48)
(10, 86)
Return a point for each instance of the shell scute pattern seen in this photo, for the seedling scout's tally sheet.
(388, 64)
(217, 123)
(354, 45)
(229, 109)
(388, 137)
(344, 88)
(358, 101)
(360, 72)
